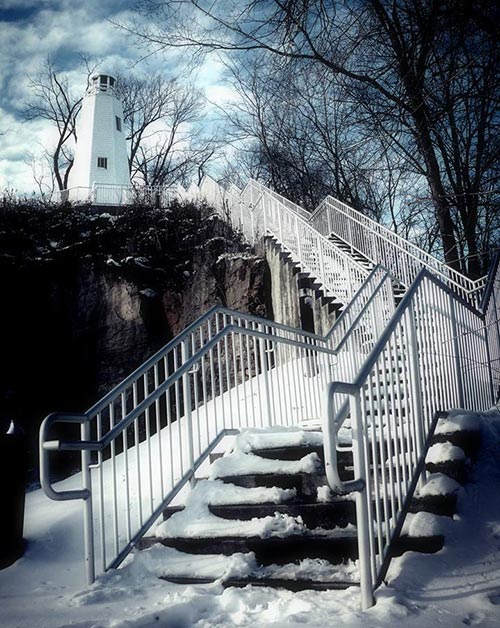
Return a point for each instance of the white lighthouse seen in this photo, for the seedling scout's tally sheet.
(101, 161)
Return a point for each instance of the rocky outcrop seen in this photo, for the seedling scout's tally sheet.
(76, 321)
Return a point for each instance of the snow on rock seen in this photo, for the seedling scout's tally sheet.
(149, 293)
(439, 484)
(458, 422)
(444, 452)
(233, 256)
(246, 464)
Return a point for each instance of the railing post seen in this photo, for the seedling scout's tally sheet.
(280, 224)
(88, 516)
(488, 357)
(456, 350)
(496, 315)
(349, 232)
(321, 259)
(297, 235)
(362, 513)
(186, 391)
(416, 391)
(252, 227)
(265, 373)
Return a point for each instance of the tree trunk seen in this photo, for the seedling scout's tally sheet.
(433, 176)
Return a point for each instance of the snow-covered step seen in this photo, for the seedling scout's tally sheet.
(267, 502)
(338, 512)
(339, 545)
(241, 569)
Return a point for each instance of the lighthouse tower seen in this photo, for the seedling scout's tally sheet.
(101, 160)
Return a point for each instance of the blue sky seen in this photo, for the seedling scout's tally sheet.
(65, 29)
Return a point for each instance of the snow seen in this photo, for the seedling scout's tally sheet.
(198, 522)
(276, 437)
(444, 452)
(240, 460)
(457, 423)
(458, 586)
(422, 524)
(218, 493)
(149, 293)
(439, 484)
(234, 256)
(242, 464)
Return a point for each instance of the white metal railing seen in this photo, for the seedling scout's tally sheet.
(382, 246)
(229, 370)
(238, 370)
(117, 194)
(433, 355)
(490, 305)
(258, 211)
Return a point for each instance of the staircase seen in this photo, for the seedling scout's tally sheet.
(325, 437)
(279, 516)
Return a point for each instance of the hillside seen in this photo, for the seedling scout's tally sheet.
(90, 293)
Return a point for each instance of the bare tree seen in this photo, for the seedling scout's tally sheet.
(300, 133)
(53, 100)
(429, 69)
(162, 117)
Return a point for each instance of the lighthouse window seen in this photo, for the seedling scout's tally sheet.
(118, 123)
(111, 81)
(102, 162)
(104, 80)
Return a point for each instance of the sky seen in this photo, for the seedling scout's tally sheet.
(32, 30)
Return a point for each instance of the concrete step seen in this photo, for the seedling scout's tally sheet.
(295, 584)
(305, 484)
(290, 549)
(269, 551)
(335, 514)
(467, 440)
(456, 469)
(443, 505)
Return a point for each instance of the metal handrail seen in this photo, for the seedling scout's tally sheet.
(392, 424)
(458, 279)
(270, 342)
(490, 282)
(260, 211)
(490, 306)
(398, 245)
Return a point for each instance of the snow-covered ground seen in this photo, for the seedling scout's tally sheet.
(458, 586)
